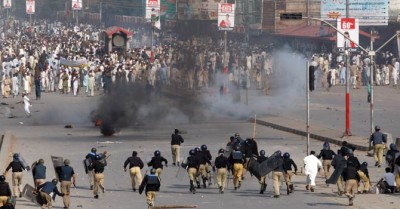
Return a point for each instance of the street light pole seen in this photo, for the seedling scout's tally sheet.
(308, 104)
(371, 83)
(347, 131)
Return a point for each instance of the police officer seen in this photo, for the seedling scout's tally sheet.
(44, 191)
(391, 156)
(5, 191)
(207, 155)
(66, 173)
(351, 177)
(278, 174)
(364, 177)
(338, 162)
(261, 158)
(9, 204)
(176, 141)
(327, 155)
(152, 184)
(98, 169)
(354, 159)
(156, 162)
(192, 168)
(221, 163)
(39, 173)
(288, 164)
(91, 157)
(16, 167)
(135, 165)
(201, 173)
(237, 160)
(378, 140)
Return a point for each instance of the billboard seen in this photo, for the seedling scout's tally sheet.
(350, 27)
(152, 6)
(30, 7)
(168, 9)
(7, 4)
(226, 16)
(198, 9)
(369, 12)
(76, 4)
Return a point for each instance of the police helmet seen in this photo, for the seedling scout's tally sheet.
(221, 151)
(278, 153)
(66, 162)
(157, 153)
(2, 178)
(377, 128)
(152, 171)
(197, 149)
(232, 138)
(286, 155)
(134, 153)
(326, 146)
(393, 146)
(54, 181)
(41, 161)
(365, 164)
(203, 147)
(192, 152)
(262, 152)
(16, 156)
(176, 131)
(93, 150)
(349, 152)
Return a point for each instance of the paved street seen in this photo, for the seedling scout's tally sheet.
(44, 134)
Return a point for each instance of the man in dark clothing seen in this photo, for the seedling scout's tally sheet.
(135, 165)
(278, 174)
(391, 155)
(156, 162)
(176, 141)
(351, 177)
(327, 155)
(364, 177)
(378, 140)
(192, 166)
(354, 159)
(44, 192)
(339, 162)
(90, 158)
(207, 154)
(237, 161)
(39, 173)
(288, 163)
(152, 184)
(5, 191)
(261, 158)
(222, 164)
(98, 168)
(203, 160)
(16, 167)
(66, 173)
(9, 204)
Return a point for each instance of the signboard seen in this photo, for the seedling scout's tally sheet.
(30, 7)
(226, 16)
(76, 4)
(198, 10)
(168, 9)
(155, 18)
(7, 4)
(152, 6)
(369, 12)
(348, 26)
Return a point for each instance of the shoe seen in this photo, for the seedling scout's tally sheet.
(177, 163)
(96, 196)
(91, 187)
(194, 191)
(261, 192)
(312, 189)
(376, 164)
(20, 195)
(379, 166)
(103, 190)
(173, 164)
(240, 184)
(351, 201)
(359, 192)
(308, 187)
(235, 188)
(220, 190)
(340, 193)
(276, 196)
(134, 190)
(291, 188)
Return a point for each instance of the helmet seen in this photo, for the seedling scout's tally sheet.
(221, 151)
(93, 150)
(176, 131)
(262, 152)
(152, 171)
(279, 153)
(232, 138)
(197, 149)
(157, 153)
(350, 152)
(365, 164)
(41, 161)
(15, 155)
(286, 155)
(377, 128)
(203, 147)
(192, 152)
(134, 153)
(393, 146)
(2, 178)
(54, 181)
(326, 146)
(66, 162)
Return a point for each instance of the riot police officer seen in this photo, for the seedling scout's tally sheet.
(135, 165)
(261, 158)
(66, 173)
(5, 191)
(288, 164)
(98, 169)
(16, 167)
(221, 163)
(278, 174)
(45, 190)
(90, 159)
(151, 184)
(39, 173)
(192, 166)
(327, 155)
(156, 162)
(237, 160)
(207, 154)
(201, 173)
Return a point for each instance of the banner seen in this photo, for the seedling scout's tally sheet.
(76, 4)
(78, 63)
(168, 9)
(30, 7)
(226, 16)
(152, 6)
(198, 10)
(7, 4)
(350, 27)
(369, 12)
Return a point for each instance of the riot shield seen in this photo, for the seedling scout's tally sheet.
(86, 164)
(33, 168)
(262, 169)
(336, 174)
(181, 172)
(57, 163)
(29, 193)
(24, 163)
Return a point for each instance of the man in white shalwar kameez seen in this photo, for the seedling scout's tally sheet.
(311, 168)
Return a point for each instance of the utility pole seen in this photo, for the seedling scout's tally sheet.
(347, 131)
(371, 74)
(308, 105)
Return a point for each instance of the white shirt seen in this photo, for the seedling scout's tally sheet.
(389, 178)
(312, 164)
